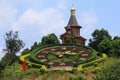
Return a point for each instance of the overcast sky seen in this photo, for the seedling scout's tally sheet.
(36, 18)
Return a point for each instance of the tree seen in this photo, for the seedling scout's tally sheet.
(26, 51)
(13, 45)
(70, 40)
(50, 39)
(35, 45)
(4, 61)
(116, 47)
(109, 73)
(98, 36)
(105, 46)
(116, 37)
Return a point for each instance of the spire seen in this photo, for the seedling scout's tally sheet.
(72, 10)
(72, 20)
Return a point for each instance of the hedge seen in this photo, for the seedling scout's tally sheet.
(22, 58)
(32, 56)
(80, 67)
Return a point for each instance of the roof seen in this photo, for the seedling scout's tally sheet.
(72, 20)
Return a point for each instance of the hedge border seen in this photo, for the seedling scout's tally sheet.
(80, 67)
(32, 57)
(22, 58)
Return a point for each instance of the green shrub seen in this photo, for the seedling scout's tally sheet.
(29, 65)
(111, 72)
(96, 70)
(95, 64)
(74, 70)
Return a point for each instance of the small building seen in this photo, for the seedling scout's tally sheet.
(73, 29)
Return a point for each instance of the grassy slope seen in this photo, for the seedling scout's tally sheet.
(33, 73)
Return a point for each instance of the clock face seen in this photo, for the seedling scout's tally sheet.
(63, 55)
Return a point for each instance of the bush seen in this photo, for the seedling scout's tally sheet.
(96, 70)
(95, 64)
(74, 70)
(112, 72)
(42, 69)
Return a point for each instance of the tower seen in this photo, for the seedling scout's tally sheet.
(73, 29)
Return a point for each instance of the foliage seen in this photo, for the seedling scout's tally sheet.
(98, 36)
(74, 70)
(112, 48)
(96, 70)
(116, 37)
(22, 58)
(26, 51)
(50, 39)
(35, 45)
(9, 73)
(116, 47)
(32, 57)
(52, 58)
(105, 46)
(109, 73)
(4, 61)
(80, 67)
(42, 69)
(77, 78)
(12, 45)
(70, 40)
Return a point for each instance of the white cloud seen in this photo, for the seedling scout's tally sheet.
(46, 21)
(34, 24)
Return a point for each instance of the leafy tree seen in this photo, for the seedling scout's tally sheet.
(70, 40)
(116, 37)
(116, 47)
(109, 73)
(4, 61)
(98, 36)
(50, 39)
(35, 45)
(13, 45)
(111, 47)
(105, 46)
(26, 51)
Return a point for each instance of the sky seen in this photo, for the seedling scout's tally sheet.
(34, 19)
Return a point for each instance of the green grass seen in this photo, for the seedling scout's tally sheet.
(50, 75)
(52, 58)
(71, 58)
